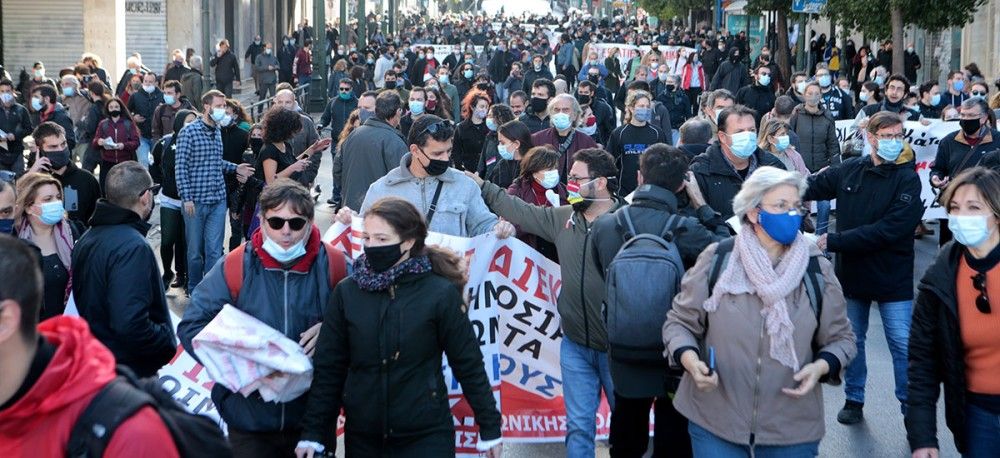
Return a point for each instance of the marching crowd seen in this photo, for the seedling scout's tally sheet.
(703, 172)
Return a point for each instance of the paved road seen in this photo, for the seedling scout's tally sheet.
(882, 435)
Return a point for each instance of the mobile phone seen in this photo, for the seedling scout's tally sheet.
(303, 156)
(711, 361)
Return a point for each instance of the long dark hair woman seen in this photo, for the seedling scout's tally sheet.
(379, 350)
(953, 335)
(117, 137)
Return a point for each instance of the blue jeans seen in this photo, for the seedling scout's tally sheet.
(896, 323)
(204, 233)
(822, 216)
(585, 372)
(982, 432)
(304, 79)
(704, 443)
(145, 146)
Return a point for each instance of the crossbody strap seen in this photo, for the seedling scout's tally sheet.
(434, 201)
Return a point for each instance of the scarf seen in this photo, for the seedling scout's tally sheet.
(372, 281)
(750, 272)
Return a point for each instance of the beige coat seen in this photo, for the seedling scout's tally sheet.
(748, 400)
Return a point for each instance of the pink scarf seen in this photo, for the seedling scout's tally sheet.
(750, 272)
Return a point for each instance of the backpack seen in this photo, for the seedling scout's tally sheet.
(635, 307)
(232, 268)
(194, 435)
(813, 278)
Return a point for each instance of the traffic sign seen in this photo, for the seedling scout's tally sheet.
(808, 6)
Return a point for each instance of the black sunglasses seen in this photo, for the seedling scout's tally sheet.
(153, 189)
(345, 89)
(435, 127)
(277, 223)
(982, 301)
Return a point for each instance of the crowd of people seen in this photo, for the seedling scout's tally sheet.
(526, 130)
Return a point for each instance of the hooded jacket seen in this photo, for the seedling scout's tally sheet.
(368, 154)
(70, 367)
(118, 290)
(817, 134)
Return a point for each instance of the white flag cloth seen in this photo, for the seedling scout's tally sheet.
(246, 355)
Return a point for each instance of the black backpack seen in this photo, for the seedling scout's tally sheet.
(194, 435)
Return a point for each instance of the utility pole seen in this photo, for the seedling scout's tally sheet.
(343, 23)
(362, 25)
(320, 58)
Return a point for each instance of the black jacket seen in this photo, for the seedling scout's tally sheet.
(144, 103)
(606, 122)
(227, 67)
(760, 98)
(80, 193)
(719, 181)
(817, 137)
(335, 115)
(937, 355)
(530, 75)
(119, 292)
(878, 207)
(534, 122)
(731, 76)
(379, 357)
(678, 104)
(953, 149)
(15, 120)
(59, 116)
(499, 66)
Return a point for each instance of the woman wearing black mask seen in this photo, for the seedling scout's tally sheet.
(380, 366)
(173, 248)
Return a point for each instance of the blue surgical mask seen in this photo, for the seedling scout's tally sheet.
(879, 80)
(958, 85)
(643, 114)
(52, 212)
(550, 179)
(970, 231)
(782, 227)
(824, 80)
(68, 91)
(7, 226)
(491, 124)
(218, 114)
(169, 99)
(561, 121)
(416, 107)
(6, 97)
(36, 103)
(282, 255)
(936, 100)
(889, 149)
(467, 74)
(744, 144)
(443, 79)
(504, 152)
(345, 96)
(764, 80)
(227, 120)
(863, 96)
(783, 142)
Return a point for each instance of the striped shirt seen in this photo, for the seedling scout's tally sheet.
(200, 165)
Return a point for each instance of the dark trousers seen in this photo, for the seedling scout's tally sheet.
(629, 436)
(173, 246)
(102, 176)
(249, 444)
(436, 445)
(226, 87)
(693, 94)
(236, 231)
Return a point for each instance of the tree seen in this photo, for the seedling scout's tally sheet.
(782, 8)
(666, 9)
(881, 19)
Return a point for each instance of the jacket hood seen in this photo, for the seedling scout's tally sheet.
(656, 194)
(180, 115)
(79, 368)
(302, 265)
(108, 214)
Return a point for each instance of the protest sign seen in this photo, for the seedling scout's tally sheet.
(673, 57)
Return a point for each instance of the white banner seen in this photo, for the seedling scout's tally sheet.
(673, 57)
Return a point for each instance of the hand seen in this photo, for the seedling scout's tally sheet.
(119, 146)
(807, 377)
(299, 165)
(926, 452)
(497, 451)
(241, 179)
(189, 208)
(304, 452)
(320, 145)
(939, 182)
(138, 118)
(42, 165)
(503, 229)
(244, 169)
(308, 339)
(821, 241)
(10, 137)
(925, 121)
(270, 68)
(345, 215)
(236, 84)
(699, 371)
(479, 181)
(693, 191)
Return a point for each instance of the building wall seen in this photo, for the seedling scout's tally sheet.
(981, 40)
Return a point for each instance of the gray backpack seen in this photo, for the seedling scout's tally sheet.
(640, 284)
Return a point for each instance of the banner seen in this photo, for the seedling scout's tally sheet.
(924, 141)
(674, 57)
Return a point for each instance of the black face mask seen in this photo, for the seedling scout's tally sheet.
(58, 159)
(538, 104)
(114, 113)
(970, 126)
(255, 145)
(382, 258)
(594, 78)
(390, 85)
(583, 99)
(671, 87)
(435, 167)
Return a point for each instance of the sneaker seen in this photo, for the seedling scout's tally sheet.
(851, 414)
(180, 281)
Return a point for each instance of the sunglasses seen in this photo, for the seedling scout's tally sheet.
(153, 189)
(277, 223)
(434, 128)
(345, 89)
(982, 301)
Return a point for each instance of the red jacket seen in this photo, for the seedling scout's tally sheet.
(125, 132)
(40, 422)
(686, 77)
(303, 63)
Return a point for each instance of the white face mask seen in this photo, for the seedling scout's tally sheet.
(282, 255)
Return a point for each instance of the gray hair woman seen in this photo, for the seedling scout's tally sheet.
(778, 326)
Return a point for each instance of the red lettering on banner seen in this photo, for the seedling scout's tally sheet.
(501, 261)
(539, 292)
(193, 375)
(343, 242)
(923, 165)
(522, 283)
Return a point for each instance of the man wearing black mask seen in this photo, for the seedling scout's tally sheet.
(80, 189)
(732, 74)
(536, 115)
(606, 121)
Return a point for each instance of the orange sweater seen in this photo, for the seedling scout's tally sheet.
(980, 331)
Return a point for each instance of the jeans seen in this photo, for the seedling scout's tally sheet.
(304, 79)
(630, 429)
(204, 232)
(822, 216)
(173, 249)
(142, 154)
(896, 318)
(706, 444)
(982, 432)
(675, 135)
(585, 372)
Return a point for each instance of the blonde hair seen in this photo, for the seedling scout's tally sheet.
(27, 191)
(631, 100)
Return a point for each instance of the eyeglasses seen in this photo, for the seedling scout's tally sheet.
(982, 301)
(435, 127)
(277, 223)
(889, 136)
(345, 89)
(153, 189)
(979, 94)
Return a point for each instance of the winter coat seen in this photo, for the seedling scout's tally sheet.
(163, 118)
(174, 72)
(60, 116)
(72, 368)
(14, 120)
(288, 299)
(817, 137)
(760, 98)
(303, 63)
(719, 181)
(118, 290)
(534, 122)
(227, 67)
(878, 207)
(731, 76)
(748, 405)
(261, 63)
(525, 189)
(550, 137)
(459, 211)
(123, 132)
(369, 153)
(953, 149)
(335, 115)
(144, 104)
(530, 75)
(193, 83)
(678, 105)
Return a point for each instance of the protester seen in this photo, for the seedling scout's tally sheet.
(47, 108)
(603, 115)
(758, 96)
(816, 128)
(117, 137)
(227, 68)
(501, 159)
(371, 151)
(162, 119)
(42, 222)
(878, 207)
(632, 138)
(763, 285)
(536, 114)
(338, 109)
(276, 159)
(930, 99)
(775, 139)
(564, 113)
(714, 103)
(142, 105)
(398, 269)
(15, 123)
(956, 87)
(678, 105)
(80, 188)
(470, 135)
(173, 246)
(695, 134)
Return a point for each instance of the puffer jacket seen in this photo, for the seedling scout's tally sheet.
(290, 300)
(459, 212)
(817, 137)
(748, 404)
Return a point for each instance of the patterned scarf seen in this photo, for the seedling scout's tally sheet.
(750, 272)
(371, 281)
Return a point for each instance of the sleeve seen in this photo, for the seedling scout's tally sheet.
(612, 146)
(181, 160)
(131, 137)
(327, 114)
(214, 60)
(258, 63)
(23, 127)
(236, 67)
(131, 298)
(687, 320)
(834, 336)
(532, 219)
(157, 126)
(832, 146)
(466, 361)
(132, 437)
(156, 167)
(207, 301)
(479, 220)
(693, 239)
(338, 168)
(96, 141)
(330, 371)
(941, 167)
(894, 226)
(824, 185)
(924, 374)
